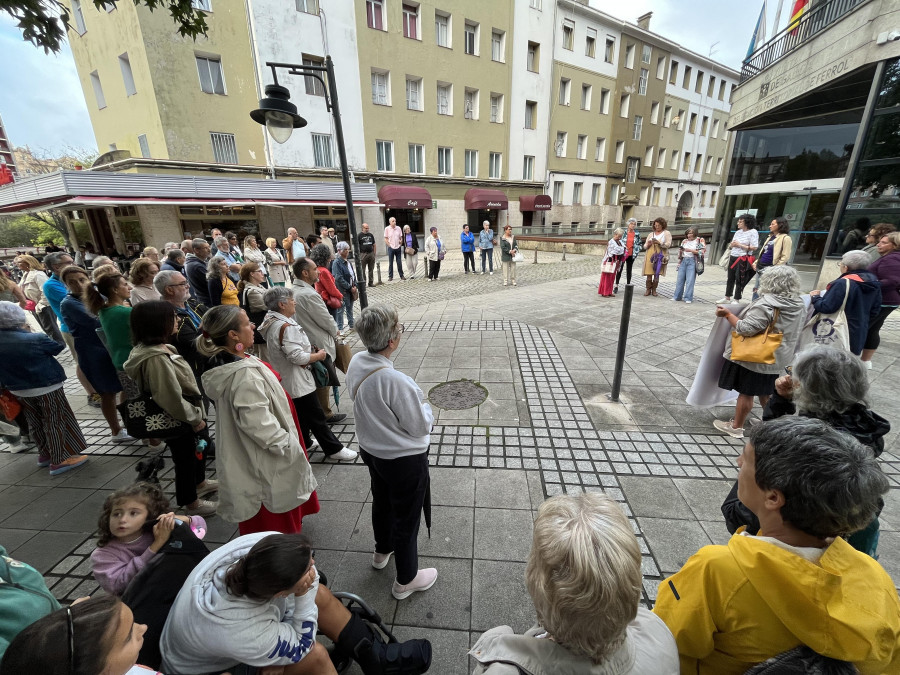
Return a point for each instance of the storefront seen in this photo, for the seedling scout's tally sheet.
(406, 203)
(533, 208)
(482, 204)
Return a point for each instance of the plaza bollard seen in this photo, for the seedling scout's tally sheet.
(623, 339)
(564, 252)
(378, 269)
(535, 257)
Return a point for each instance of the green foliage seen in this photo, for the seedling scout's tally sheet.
(44, 22)
(25, 231)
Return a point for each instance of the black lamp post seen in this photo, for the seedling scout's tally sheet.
(280, 118)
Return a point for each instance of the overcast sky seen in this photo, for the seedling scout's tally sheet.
(42, 104)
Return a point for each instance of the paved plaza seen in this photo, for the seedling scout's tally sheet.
(544, 351)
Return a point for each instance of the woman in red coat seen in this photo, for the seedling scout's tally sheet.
(325, 286)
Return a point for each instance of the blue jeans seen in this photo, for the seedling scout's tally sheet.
(487, 254)
(687, 275)
(395, 254)
(346, 307)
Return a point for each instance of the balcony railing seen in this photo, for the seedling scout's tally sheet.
(813, 22)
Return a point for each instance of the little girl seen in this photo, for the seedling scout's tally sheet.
(134, 525)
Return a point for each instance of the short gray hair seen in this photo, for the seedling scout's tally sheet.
(831, 381)
(11, 316)
(584, 573)
(342, 246)
(855, 260)
(780, 280)
(618, 230)
(218, 241)
(832, 484)
(631, 220)
(170, 245)
(163, 280)
(275, 296)
(198, 243)
(51, 260)
(376, 326)
(174, 255)
(320, 254)
(213, 271)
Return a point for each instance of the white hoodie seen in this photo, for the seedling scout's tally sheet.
(210, 630)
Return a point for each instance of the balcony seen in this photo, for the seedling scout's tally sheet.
(813, 22)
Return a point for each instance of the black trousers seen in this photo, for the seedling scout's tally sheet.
(738, 275)
(469, 259)
(189, 470)
(312, 420)
(873, 337)
(629, 262)
(434, 268)
(398, 493)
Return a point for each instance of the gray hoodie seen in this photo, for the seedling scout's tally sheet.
(210, 630)
(757, 315)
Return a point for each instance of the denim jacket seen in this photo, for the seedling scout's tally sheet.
(26, 360)
(486, 238)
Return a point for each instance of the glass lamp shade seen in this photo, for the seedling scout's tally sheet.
(279, 125)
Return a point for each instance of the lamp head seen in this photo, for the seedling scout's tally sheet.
(277, 113)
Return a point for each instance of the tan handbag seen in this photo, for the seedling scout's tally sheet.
(759, 348)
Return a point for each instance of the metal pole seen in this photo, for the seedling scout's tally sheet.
(345, 175)
(623, 339)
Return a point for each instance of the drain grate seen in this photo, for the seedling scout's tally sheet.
(457, 395)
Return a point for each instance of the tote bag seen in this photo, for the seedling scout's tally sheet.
(759, 348)
(829, 330)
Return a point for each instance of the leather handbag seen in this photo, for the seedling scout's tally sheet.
(342, 356)
(759, 348)
(9, 405)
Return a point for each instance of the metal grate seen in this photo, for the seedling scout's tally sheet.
(224, 148)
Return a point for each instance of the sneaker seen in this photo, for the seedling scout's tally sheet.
(688, 302)
(674, 299)
(504, 283)
(313, 448)
(345, 454)
(492, 274)
(122, 437)
(515, 284)
(72, 462)
(203, 508)
(727, 427)
(17, 447)
(334, 419)
(424, 580)
(482, 272)
(44, 460)
(615, 289)
(209, 487)
(380, 560)
(721, 301)
(868, 365)
(93, 400)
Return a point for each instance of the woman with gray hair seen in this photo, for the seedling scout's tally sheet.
(322, 255)
(612, 264)
(857, 291)
(584, 578)
(292, 356)
(779, 309)
(393, 429)
(410, 244)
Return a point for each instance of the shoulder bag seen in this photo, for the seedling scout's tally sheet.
(144, 418)
(829, 330)
(759, 348)
(608, 267)
(700, 267)
(518, 257)
(725, 260)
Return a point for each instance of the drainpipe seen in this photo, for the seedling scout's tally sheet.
(251, 32)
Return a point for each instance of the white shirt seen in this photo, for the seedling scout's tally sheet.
(747, 238)
(689, 248)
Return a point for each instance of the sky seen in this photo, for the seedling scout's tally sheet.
(42, 104)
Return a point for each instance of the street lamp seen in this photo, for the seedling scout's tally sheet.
(280, 118)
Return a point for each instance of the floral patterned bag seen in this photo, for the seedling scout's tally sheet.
(144, 418)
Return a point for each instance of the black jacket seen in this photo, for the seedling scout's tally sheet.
(862, 306)
(195, 271)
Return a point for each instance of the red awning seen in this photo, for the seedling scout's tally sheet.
(492, 200)
(535, 203)
(404, 197)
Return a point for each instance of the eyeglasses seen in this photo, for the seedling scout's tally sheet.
(183, 283)
(400, 328)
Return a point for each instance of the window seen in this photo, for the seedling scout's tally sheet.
(144, 145)
(445, 161)
(568, 34)
(631, 170)
(585, 97)
(646, 51)
(205, 5)
(470, 112)
(530, 114)
(721, 90)
(629, 56)
(561, 138)
(471, 163)
(620, 151)
(624, 104)
(375, 14)
(642, 82)
(581, 148)
(673, 72)
(715, 129)
(686, 165)
(643, 198)
(655, 199)
(648, 155)
(414, 93)
(528, 168)
(557, 192)
(495, 165)
(322, 155)
(654, 112)
(98, 90)
(564, 90)
(719, 163)
(610, 50)
(442, 29)
(411, 22)
(497, 108)
(698, 163)
(590, 43)
(444, 99)
(470, 38)
(674, 164)
(381, 87)
(699, 84)
(704, 125)
(604, 101)
(77, 12)
(576, 193)
(212, 80)
(127, 76)
(725, 134)
(498, 46)
(416, 158)
(702, 197)
(712, 198)
(667, 116)
(224, 148)
(595, 194)
(679, 119)
(661, 162)
(532, 61)
(313, 86)
(709, 161)
(384, 155)
(711, 89)
(638, 125)
(536, 4)
(660, 67)
(308, 6)
(692, 127)
(600, 150)
(686, 80)
(613, 199)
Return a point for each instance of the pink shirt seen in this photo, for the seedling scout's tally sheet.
(392, 234)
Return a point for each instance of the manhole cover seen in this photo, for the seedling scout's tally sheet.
(457, 395)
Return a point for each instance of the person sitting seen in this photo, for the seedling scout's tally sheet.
(798, 582)
(584, 578)
(257, 601)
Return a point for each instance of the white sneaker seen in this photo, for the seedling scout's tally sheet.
(868, 365)
(312, 448)
(122, 437)
(203, 508)
(492, 274)
(424, 580)
(688, 302)
(17, 447)
(344, 455)
(727, 427)
(721, 301)
(673, 299)
(380, 560)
